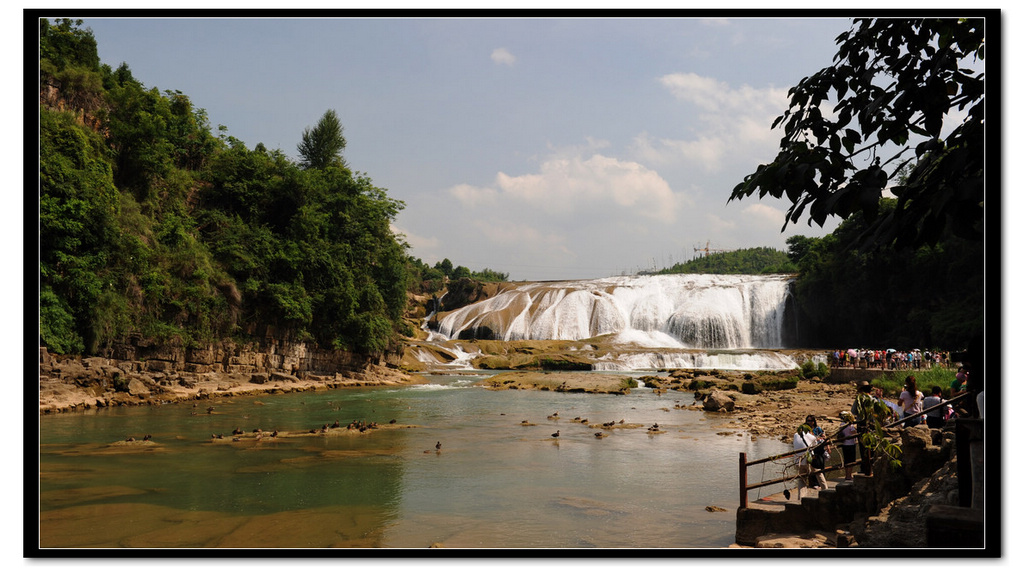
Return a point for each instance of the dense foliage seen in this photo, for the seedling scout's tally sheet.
(152, 227)
(929, 297)
(852, 127)
(743, 261)
(429, 280)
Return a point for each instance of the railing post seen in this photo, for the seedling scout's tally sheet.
(743, 480)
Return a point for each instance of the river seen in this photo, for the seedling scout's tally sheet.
(495, 482)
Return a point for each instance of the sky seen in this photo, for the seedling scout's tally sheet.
(546, 148)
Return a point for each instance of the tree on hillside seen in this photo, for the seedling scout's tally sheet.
(321, 145)
(64, 43)
(893, 82)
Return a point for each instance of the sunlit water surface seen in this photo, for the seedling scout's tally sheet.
(494, 483)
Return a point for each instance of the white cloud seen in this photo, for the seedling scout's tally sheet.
(761, 215)
(714, 22)
(570, 183)
(730, 122)
(419, 243)
(704, 151)
(506, 233)
(472, 196)
(503, 56)
(719, 224)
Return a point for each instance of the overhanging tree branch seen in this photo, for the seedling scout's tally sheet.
(894, 82)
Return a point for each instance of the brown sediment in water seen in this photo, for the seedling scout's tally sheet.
(78, 495)
(137, 525)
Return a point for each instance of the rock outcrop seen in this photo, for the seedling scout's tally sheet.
(141, 373)
(718, 400)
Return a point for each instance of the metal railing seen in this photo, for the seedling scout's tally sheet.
(745, 487)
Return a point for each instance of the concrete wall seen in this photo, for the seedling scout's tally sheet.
(847, 374)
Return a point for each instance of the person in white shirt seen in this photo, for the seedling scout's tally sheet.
(911, 400)
(849, 445)
(805, 440)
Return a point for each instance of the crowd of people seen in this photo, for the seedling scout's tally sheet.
(911, 407)
(889, 358)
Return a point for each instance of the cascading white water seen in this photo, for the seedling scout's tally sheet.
(684, 311)
(689, 360)
(462, 359)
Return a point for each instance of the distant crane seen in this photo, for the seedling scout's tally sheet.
(707, 250)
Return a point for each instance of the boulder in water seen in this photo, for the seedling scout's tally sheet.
(717, 400)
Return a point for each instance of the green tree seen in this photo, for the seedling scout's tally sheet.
(69, 66)
(445, 266)
(64, 43)
(150, 226)
(321, 146)
(884, 297)
(892, 83)
(761, 260)
(78, 206)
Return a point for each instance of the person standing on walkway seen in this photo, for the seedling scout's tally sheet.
(911, 400)
(934, 419)
(805, 441)
(849, 445)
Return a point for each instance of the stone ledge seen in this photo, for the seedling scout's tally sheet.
(950, 526)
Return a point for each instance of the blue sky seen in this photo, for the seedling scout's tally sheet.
(548, 148)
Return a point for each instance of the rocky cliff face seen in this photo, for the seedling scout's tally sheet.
(144, 372)
(230, 357)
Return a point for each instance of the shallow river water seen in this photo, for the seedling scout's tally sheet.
(495, 482)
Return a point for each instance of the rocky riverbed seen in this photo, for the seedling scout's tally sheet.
(765, 404)
(773, 405)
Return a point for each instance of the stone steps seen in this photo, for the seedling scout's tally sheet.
(825, 510)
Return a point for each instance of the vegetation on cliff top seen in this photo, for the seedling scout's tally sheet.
(427, 280)
(743, 261)
(152, 227)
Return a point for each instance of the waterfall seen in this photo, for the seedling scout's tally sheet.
(683, 311)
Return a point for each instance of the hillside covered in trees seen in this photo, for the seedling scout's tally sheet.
(743, 261)
(151, 226)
